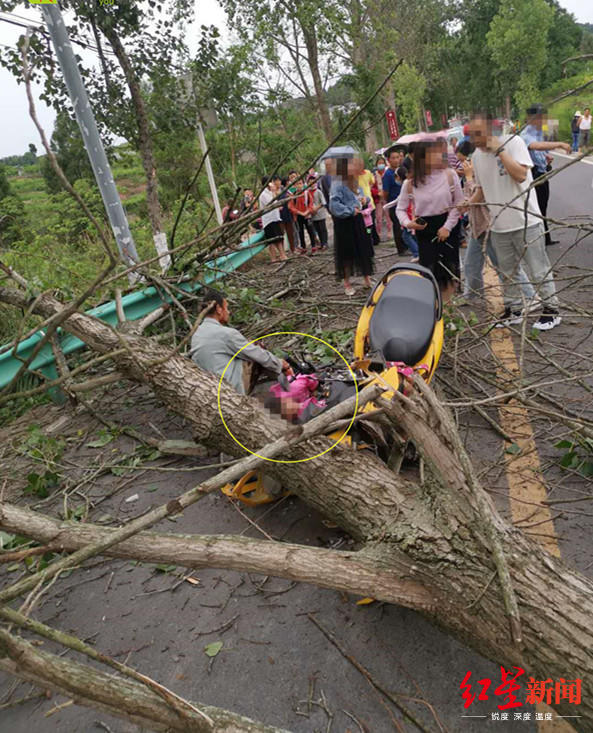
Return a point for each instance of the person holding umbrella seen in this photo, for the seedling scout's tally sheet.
(353, 248)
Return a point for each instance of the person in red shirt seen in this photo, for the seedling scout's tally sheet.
(383, 220)
(301, 207)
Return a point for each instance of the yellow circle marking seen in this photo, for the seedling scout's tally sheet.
(287, 333)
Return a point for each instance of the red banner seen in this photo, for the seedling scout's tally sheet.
(428, 117)
(392, 125)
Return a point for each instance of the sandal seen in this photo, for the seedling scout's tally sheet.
(349, 290)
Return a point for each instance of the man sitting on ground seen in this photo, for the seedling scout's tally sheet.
(214, 344)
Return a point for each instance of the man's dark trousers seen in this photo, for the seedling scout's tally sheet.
(397, 232)
(542, 191)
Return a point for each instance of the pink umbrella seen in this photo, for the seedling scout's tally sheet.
(414, 138)
(419, 136)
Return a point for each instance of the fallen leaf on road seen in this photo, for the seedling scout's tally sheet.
(212, 650)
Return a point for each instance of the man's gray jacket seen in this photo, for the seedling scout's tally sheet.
(213, 346)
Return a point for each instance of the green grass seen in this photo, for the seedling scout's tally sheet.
(564, 110)
(135, 172)
(26, 184)
(57, 249)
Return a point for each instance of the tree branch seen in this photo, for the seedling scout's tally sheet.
(123, 698)
(352, 572)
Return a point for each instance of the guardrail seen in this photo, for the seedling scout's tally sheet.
(136, 305)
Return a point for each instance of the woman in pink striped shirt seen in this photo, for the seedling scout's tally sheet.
(435, 192)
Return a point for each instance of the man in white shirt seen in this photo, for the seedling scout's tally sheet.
(585, 129)
(502, 171)
(273, 233)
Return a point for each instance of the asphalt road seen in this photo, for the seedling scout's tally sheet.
(274, 659)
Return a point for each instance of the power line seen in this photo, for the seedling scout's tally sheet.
(20, 17)
(41, 28)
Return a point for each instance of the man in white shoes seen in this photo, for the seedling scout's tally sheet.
(502, 172)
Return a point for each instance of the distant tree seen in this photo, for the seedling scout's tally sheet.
(471, 77)
(410, 86)
(67, 144)
(133, 41)
(564, 40)
(297, 40)
(4, 184)
(518, 43)
(13, 224)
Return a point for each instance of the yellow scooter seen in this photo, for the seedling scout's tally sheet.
(400, 332)
(401, 324)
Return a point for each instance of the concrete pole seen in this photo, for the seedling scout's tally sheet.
(209, 173)
(189, 88)
(90, 134)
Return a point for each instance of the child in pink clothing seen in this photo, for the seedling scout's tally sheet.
(298, 400)
(367, 214)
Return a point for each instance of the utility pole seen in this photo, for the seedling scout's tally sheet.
(187, 78)
(90, 135)
(209, 172)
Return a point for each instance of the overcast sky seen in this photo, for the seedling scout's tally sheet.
(16, 128)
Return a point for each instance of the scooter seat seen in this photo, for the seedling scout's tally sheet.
(403, 319)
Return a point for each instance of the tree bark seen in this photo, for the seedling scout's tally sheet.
(352, 572)
(144, 136)
(436, 532)
(363, 55)
(310, 36)
(123, 698)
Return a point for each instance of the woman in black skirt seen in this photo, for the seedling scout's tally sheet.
(353, 247)
(428, 204)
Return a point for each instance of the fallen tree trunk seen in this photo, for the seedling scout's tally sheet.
(123, 698)
(347, 571)
(439, 534)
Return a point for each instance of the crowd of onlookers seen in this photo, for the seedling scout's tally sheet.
(437, 197)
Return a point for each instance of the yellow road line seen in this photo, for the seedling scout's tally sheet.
(527, 489)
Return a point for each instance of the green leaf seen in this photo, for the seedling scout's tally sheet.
(564, 445)
(51, 479)
(152, 488)
(6, 540)
(211, 650)
(513, 449)
(36, 485)
(163, 568)
(567, 459)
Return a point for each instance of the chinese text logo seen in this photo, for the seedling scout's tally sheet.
(538, 691)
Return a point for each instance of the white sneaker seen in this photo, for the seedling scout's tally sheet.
(548, 320)
(508, 318)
